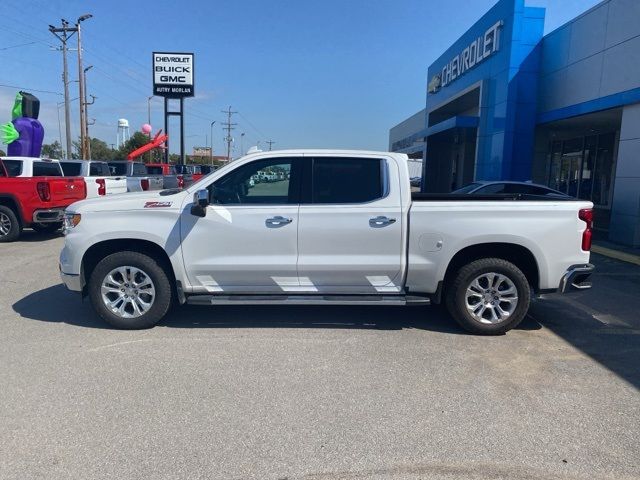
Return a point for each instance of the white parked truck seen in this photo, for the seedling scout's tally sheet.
(138, 178)
(97, 177)
(338, 227)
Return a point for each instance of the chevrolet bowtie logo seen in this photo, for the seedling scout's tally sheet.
(434, 83)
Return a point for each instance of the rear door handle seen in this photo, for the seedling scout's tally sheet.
(277, 221)
(381, 221)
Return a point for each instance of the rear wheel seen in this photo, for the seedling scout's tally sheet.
(489, 296)
(130, 290)
(47, 227)
(10, 227)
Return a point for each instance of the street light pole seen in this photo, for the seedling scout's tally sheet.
(149, 119)
(83, 120)
(85, 104)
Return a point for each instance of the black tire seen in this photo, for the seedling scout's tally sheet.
(14, 227)
(456, 300)
(46, 227)
(152, 268)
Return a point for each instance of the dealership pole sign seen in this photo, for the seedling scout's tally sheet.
(480, 49)
(173, 74)
(173, 80)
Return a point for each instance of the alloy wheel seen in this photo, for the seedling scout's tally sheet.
(128, 292)
(491, 298)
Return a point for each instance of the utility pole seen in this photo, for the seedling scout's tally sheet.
(64, 33)
(211, 151)
(87, 147)
(270, 142)
(242, 144)
(228, 126)
(83, 113)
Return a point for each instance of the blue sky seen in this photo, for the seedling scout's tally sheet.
(304, 74)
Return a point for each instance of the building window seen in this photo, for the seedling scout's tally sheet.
(583, 167)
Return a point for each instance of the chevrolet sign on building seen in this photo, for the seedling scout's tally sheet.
(479, 50)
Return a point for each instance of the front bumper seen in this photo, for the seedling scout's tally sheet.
(49, 215)
(73, 282)
(576, 278)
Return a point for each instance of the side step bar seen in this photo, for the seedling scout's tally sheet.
(307, 300)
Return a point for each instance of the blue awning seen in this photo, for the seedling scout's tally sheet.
(453, 122)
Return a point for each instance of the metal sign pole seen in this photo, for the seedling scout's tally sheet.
(166, 129)
(182, 153)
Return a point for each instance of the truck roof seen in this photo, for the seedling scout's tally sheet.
(325, 151)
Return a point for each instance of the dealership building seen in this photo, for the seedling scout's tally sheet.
(506, 102)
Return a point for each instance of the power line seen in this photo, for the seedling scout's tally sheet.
(26, 89)
(19, 45)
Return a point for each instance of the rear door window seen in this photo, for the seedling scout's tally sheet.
(47, 169)
(118, 168)
(14, 167)
(347, 180)
(139, 170)
(98, 169)
(154, 170)
(71, 169)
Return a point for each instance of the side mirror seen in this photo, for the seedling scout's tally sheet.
(200, 203)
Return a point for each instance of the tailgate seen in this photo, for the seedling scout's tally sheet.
(156, 183)
(116, 185)
(66, 190)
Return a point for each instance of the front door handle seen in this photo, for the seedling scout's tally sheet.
(381, 221)
(277, 221)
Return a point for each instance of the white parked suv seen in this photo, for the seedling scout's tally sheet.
(97, 177)
(337, 227)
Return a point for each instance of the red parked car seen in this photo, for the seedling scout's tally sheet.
(33, 193)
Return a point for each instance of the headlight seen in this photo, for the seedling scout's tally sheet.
(71, 220)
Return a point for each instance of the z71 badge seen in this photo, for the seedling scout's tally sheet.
(157, 204)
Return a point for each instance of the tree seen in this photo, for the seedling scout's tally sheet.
(52, 150)
(2, 153)
(100, 150)
(137, 140)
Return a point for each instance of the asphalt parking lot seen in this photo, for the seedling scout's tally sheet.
(315, 392)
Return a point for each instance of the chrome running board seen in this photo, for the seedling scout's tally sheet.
(307, 300)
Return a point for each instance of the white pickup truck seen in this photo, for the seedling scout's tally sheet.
(137, 175)
(97, 177)
(334, 227)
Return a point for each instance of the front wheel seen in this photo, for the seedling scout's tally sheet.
(10, 227)
(489, 296)
(130, 290)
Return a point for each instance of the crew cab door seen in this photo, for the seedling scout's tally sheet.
(247, 242)
(350, 232)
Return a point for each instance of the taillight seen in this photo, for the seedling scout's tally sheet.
(586, 215)
(180, 181)
(102, 186)
(144, 183)
(44, 191)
